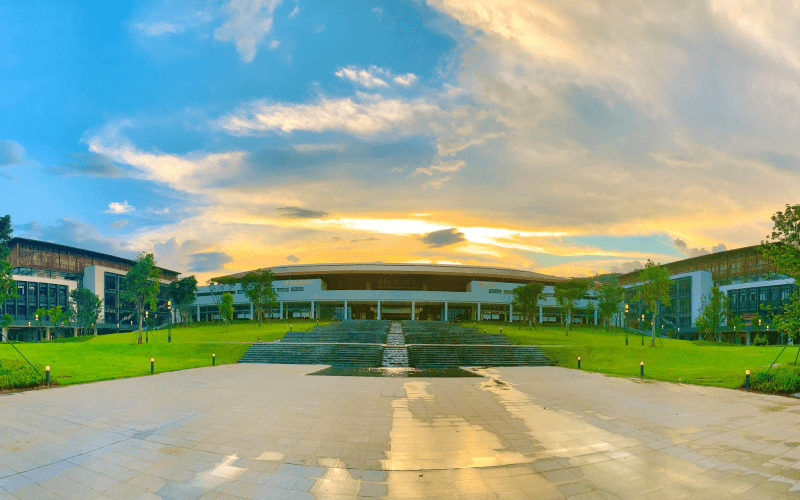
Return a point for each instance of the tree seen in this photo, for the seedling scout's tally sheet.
(782, 246)
(8, 286)
(226, 308)
(85, 308)
(220, 286)
(788, 321)
(257, 285)
(526, 300)
(39, 315)
(655, 291)
(141, 286)
(610, 298)
(5, 322)
(713, 311)
(58, 317)
(183, 294)
(567, 294)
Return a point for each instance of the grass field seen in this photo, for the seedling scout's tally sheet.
(701, 363)
(117, 356)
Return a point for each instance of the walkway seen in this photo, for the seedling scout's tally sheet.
(268, 431)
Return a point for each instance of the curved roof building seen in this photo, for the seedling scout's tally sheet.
(387, 291)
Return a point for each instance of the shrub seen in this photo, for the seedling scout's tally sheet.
(760, 340)
(784, 379)
(17, 374)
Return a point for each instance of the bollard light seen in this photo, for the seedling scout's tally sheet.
(152, 364)
(213, 359)
(641, 368)
(579, 362)
(290, 327)
(501, 329)
(306, 328)
(47, 374)
(747, 380)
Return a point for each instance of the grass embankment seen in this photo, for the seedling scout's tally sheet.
(701, 363)
(107, 357)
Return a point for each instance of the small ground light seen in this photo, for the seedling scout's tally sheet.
(641, 368)
(747, 379)
(213, 359)
(47, 374)
(579, 362)
(152, 364)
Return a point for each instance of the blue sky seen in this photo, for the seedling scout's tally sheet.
(570, 139)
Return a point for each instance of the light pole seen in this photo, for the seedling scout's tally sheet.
(640, 328)
(624, 325)
(169, 311)
(147, 324)
(38, 328)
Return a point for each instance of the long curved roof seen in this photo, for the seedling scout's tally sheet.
(478, 272)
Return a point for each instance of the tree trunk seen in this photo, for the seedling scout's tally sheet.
(140, 327)
(569, 320)
(653, 337)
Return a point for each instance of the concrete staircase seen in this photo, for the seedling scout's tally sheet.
(417, 344)
(395, 354)
(452, 356)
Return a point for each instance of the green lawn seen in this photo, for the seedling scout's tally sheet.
(702, 363)
(118, 356)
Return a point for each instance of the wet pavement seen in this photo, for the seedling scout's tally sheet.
(268, 431)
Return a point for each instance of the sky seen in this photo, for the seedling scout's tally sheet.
(567, 138)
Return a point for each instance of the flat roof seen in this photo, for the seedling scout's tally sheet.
(88, 253)
(428, 269)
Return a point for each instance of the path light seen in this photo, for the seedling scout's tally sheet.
(152, 364)
(641, 368)
(213, 359)
(579, 362)
(747, 380)
(47, 374)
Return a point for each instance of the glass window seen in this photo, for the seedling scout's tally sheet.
(685, 286)
(743, 297)
(752, 296)
(785, 292)
(776, 293)
(62, 296)
(53, 289)
(111, 281)
(732, 297)
(21, 287)
(42, 293)
(32, 292)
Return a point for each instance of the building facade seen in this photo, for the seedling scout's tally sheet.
(394, 291)
(46, 273)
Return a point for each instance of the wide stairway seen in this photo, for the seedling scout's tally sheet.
(416, 344)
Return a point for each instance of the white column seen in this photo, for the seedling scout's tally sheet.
(198, 313)
(379, 310)
(511, 313)
(479, 311)
(345, 309)
(445, 312)
(540, 315)
(252, 312)
(281, 310)
(595, 316)
(413, 307)
(311, 314)
(4, 332)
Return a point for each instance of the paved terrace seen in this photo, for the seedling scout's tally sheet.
(267, 431)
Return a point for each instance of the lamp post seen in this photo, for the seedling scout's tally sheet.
(640, 328)
(117, 327)
(146, 322)
(624, 325)
(169, 327)
(38, 328)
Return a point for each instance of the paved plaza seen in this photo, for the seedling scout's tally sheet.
(269, 431)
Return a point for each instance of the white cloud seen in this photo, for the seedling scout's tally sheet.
(374, 116)
(274, 44)
(119, 208)
(316, 148)
(406, 80)
(248, 23)
(378, 12)
(119, 224)
(442, 166)
(436, 183)
(160, 28)
(363, 77)
(294, 11)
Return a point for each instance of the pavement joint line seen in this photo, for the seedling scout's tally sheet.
(127, 438)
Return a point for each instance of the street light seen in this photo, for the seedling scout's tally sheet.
(38, 328)
(625, 326)
(146, 322)
(169, 310)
